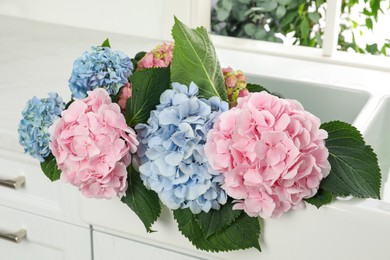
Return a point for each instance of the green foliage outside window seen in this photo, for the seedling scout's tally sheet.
(273, 20)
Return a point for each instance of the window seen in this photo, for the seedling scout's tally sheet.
(328, 46)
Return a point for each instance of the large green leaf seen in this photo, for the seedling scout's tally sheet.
(355, 170)
(50, 168)
(144, 202)
(216, 220)
(147, 86)
(242, 233)
(321, 198)
(195, 60)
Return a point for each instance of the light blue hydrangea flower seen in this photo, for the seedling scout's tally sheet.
(171, 151)
(38, 116)
(101, 67)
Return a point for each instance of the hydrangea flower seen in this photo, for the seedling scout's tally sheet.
(271, 152)
(235, 84)
(161, 56)
(92, 145)
(171, 151)
(38, 116)
(101, 67)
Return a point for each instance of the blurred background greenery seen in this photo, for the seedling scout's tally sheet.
(302, 22)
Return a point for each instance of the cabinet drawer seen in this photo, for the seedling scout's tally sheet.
(45, 239)
(38, 194)
(108, 246)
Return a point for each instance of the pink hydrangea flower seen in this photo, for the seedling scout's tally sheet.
(125, 94)
(272, 154)
(93, 144)
(161, 56)
(235, 84)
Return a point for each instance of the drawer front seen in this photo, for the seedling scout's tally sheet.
(38, 194)
(45, 239)
(108, 246)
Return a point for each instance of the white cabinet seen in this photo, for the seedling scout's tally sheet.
(108, 246)
(47, 211)
(45, 238)
(38, 195)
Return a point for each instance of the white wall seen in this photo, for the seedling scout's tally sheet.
(146, 18)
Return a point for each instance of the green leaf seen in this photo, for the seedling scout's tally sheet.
(367, 12)
(354, 165)
(216, 220)
(375, 6)
(314, 17)
(284, 2)
(195, 60)
(269, 5)
(222, 14)
(244, 1)
(319, 3)
(243, 233)
(106, 43)
(287, 20)
(372, 48)
(321, 198)
(280, 11)
(142, 201)
(301, 8)
(50, 168)
(304, 26)
(250, 29)
(239, 14)
(139, 55)
(369, 23)
(260, 34)
(255, 88)
(147, 86)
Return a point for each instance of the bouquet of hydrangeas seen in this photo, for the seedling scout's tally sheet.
(171, 125)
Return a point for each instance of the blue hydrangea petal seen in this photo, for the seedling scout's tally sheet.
(173, 158)
(152, 153)
(37, 116)
(179, 139)
(172, 145)
(179, 98)
(193, 90)
(165, 169)
(101, 67)
(168, 117)
(179, 88)
(166, 97)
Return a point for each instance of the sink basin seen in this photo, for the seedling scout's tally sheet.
(377, 134)
(326, 102)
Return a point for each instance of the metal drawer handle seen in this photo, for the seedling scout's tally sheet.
(13, 183)
(14, 237)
